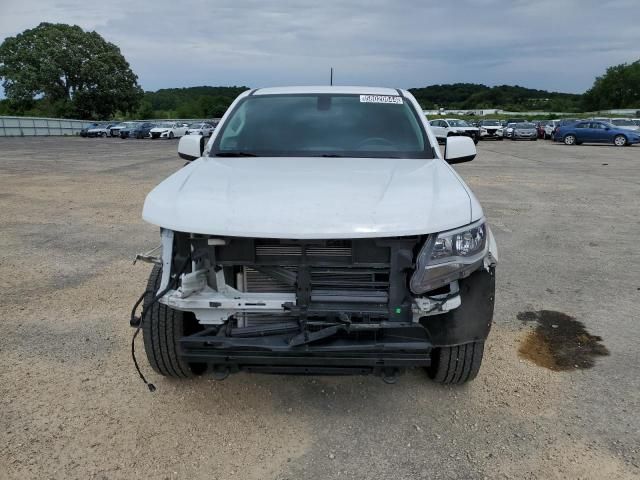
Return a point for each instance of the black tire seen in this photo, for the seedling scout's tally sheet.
(171, 135)
(500, 138)
(570, 139)
(456, 365)
(103, 134)
(162, 328)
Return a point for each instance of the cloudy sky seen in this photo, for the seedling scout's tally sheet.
(558, 45)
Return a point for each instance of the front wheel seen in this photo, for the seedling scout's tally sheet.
(162, 328)
(570, 139)
(620, 140)
(171, 135)
(456, 365)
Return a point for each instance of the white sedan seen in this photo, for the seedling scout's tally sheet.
(168, 130)
(201, 128)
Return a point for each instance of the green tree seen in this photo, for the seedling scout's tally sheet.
(145, 111)
(70, 71)
(619, 87)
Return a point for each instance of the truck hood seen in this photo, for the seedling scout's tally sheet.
(311, 198)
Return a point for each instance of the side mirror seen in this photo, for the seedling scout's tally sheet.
(459, 149)
(191, 147)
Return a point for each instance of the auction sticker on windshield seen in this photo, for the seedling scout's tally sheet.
(380, 99)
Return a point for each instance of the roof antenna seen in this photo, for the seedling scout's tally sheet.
(331, 81)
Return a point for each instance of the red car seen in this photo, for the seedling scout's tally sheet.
(540, 128)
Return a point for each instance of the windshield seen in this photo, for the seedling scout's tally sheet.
(196, 125)
(316, 125)
(525, 126)
(490, 123)
(623, 123)
(457, 123)
(165, 125)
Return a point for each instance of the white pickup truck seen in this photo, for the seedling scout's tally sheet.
(320, 230)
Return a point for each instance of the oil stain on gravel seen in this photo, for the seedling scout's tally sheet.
(559, 342)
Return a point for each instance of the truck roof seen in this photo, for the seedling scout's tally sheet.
(327, 89)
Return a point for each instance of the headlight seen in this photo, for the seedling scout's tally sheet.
(448, 256)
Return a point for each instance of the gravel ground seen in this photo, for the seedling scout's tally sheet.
(72, 406)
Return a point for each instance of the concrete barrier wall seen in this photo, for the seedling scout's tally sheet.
(30, 126)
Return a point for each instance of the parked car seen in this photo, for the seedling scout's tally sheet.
(549, 127)
(114, 131)
(562, 123)
(450, 127)
(280, 254)
(507, 130)
(624, 123)
(490, 129)
(596, 132)
(126, 131)
(168, 130)
(540, 127)
(85, 129)
(138, 130)
(523, 131)
(200, 128)
(101, 130)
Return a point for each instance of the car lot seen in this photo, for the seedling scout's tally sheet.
(566, 222)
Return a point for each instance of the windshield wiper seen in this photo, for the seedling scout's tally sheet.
(236, 154)
(331, 155)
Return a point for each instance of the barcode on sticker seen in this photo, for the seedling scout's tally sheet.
(380, 99)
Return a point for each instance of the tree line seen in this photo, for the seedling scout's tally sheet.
(471, 96)
(58, 70)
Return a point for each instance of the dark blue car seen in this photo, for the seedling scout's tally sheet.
(591, 131)
(138, 130)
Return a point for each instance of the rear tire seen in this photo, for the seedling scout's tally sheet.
(162, 328)
(456, 365)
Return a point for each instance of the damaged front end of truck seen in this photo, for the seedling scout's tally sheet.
(344, 306)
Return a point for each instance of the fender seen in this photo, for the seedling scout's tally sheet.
(471, 321)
